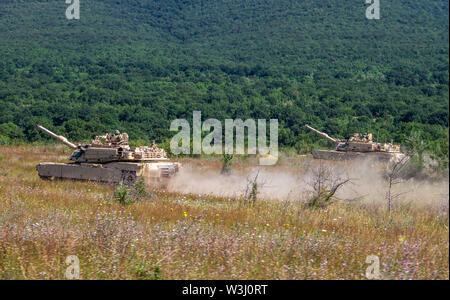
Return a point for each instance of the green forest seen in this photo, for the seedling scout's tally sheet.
(136, 65)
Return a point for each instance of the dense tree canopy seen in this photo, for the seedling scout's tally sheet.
(136, 65)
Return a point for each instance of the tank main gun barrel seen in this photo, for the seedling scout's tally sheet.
(58, 137)
(322, 134)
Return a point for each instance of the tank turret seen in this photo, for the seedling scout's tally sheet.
(108, 148)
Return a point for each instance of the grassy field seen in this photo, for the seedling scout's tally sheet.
(170, 235)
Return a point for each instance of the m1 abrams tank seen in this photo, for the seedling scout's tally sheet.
(357, 146)
(109, 159)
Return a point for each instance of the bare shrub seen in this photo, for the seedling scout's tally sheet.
(251, 189)
(395, 174)
(324, 182)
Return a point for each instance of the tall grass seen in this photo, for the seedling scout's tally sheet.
(184, 236)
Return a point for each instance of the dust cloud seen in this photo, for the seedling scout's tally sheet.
(295, 183)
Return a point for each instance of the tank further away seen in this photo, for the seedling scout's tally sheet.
(357, 146)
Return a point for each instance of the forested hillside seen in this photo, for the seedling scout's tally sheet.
(136, 65)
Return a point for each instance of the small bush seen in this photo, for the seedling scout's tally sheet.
(139, 188)
(148, 271)
(127, 195)
(122, 194)
(4, 140)
(227, 166)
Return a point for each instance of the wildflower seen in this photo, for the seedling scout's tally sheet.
(101, 204)
(324, 230)
(401, 239)
(171, 209)
(217, 215)
(185, 214)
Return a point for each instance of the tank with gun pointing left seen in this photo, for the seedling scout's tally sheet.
(109, 158)
(357, 146)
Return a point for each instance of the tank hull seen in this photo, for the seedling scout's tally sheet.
(347, 155)
(154, 173)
